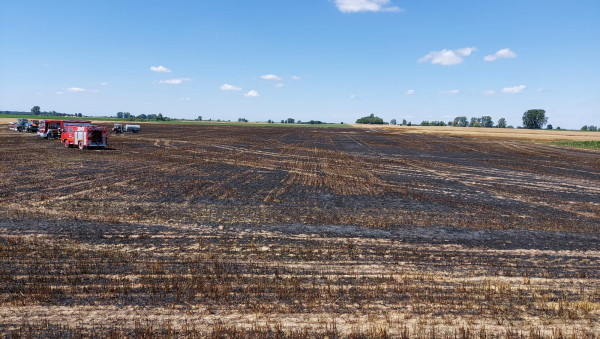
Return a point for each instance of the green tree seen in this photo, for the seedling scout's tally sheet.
(501, 123)
(460, 122)
(393, 122)
(199, 118)
(475, 122)
(371, 119)
(486, 121)
(35, 110)
(535, 119)
(120, 115)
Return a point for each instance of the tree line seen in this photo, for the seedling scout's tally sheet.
(532, 119)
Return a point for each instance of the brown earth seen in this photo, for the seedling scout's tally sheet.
(217, 229)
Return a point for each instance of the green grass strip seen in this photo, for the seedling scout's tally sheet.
(581, 144)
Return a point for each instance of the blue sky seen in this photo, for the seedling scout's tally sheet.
(329, 60)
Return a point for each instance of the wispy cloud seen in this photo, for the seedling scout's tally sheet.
(174, 81)
(59, 92)
(280, 85)
(452, 91)
(447, 57)
(488, 93)
(104, 83)
(501, 54)
(514, 90)
(75, 89)
(270, 77)
(354, 6)
(410, 92)
(295, 77)
(228, 87)
(251, 94)
(160, 69)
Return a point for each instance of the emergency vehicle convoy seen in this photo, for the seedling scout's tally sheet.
(84, 136)
(78, 133)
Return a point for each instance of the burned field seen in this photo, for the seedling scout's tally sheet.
(257, 231)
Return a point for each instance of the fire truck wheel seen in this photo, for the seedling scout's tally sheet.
(67, 145)
(81, 145)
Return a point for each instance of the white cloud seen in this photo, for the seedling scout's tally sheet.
(279, 85)
(228, 87)
(501, 54)
(295, 77)
(514, 90)
(174, 81)
(59, 92)
(452, 91)
(160, 69)
(252, 94)
(104, 83)
(352, 96)
(488, 93)
(410, 92)
(270, 77)
(75, 89)
(447, 57)
(354, 6)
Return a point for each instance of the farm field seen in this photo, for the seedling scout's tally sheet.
(258, 231)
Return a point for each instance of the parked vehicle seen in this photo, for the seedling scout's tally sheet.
(53, 128)
(117, 128)
(132, 128)
(84, 136)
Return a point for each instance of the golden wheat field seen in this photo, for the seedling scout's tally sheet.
(292, 232)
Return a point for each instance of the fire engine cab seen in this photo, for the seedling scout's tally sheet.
(84, 136)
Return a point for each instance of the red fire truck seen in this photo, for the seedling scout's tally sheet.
(54, 128)
(84, 136)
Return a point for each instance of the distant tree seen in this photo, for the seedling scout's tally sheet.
(199, 118)
(501, 123)
(549, 126)
(409, 124)
(592, 128)
(291, 121)
(160, 117)
(120, 115)
(403, 122)
(393, 122)
(475, 122)
(79, 115)
(486, 121)
(460, 122)
(242, 120)
(371, 119)
(584, 128)
(558, 127)
(126, 115)
(35, 110)
(283, 121)
(534, 119)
